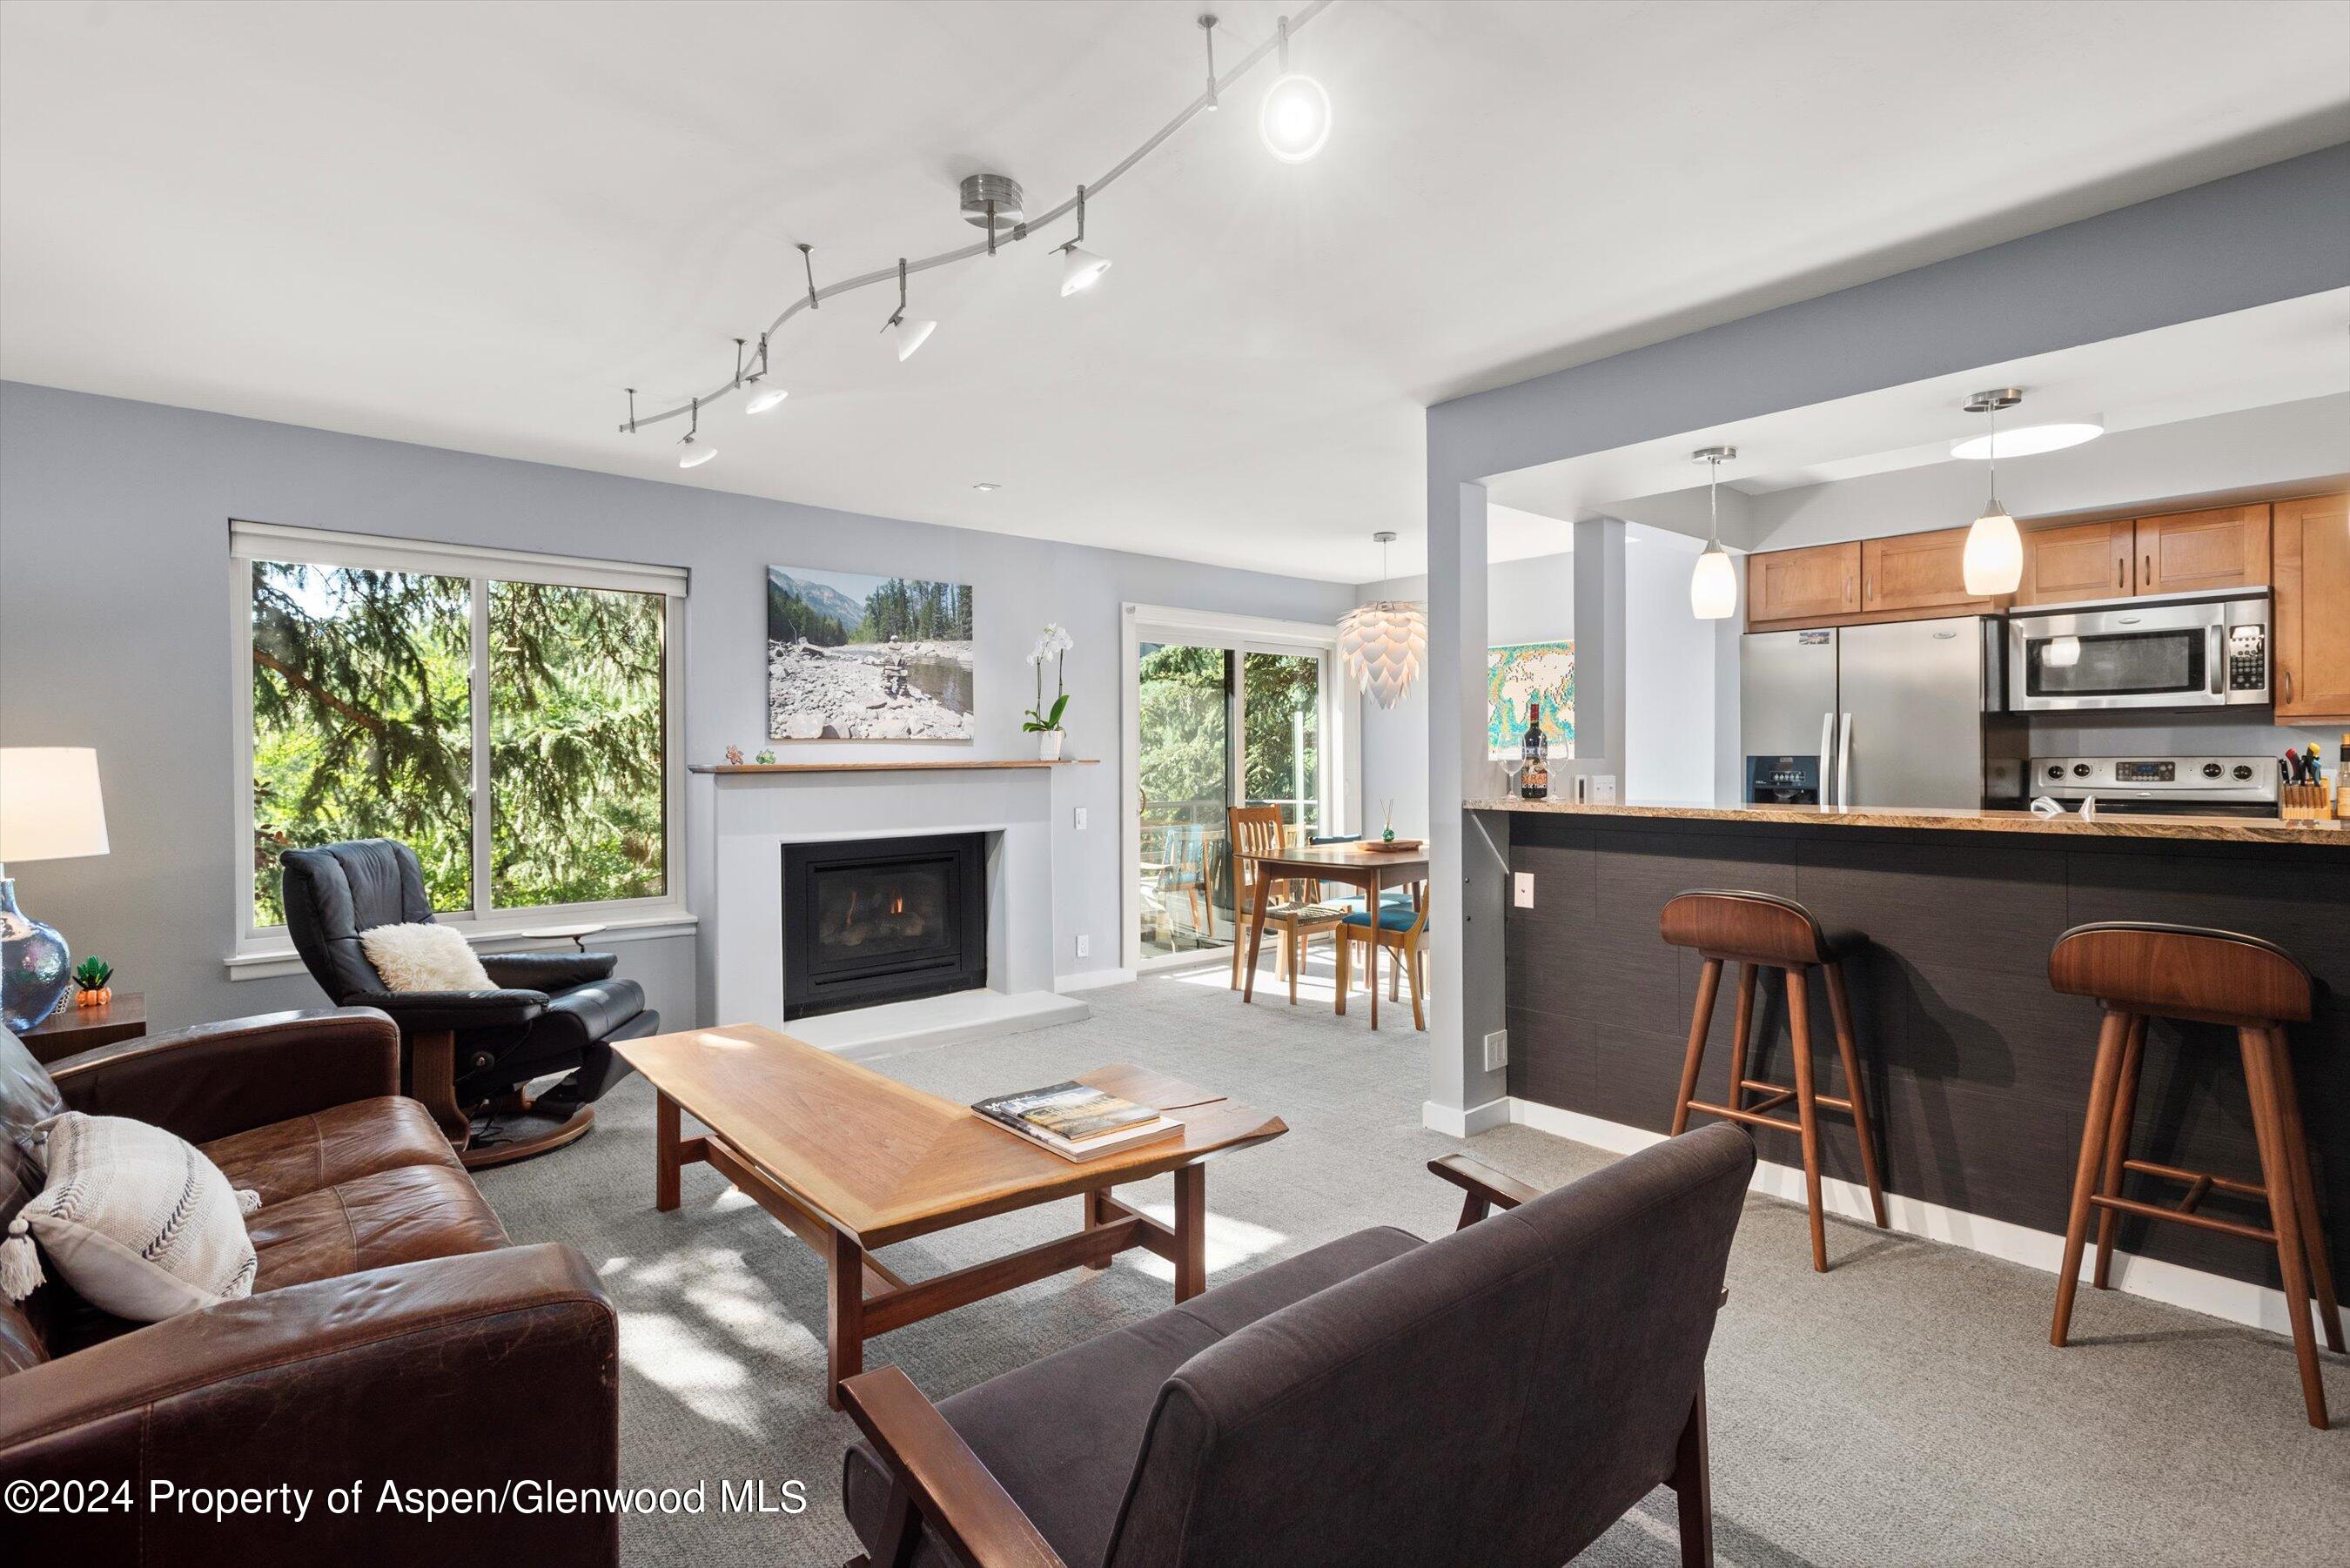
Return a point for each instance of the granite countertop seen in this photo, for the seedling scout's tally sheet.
(1964, 819)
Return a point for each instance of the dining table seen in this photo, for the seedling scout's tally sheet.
(1363, 864)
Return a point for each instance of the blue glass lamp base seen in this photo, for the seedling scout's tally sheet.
(36, 968)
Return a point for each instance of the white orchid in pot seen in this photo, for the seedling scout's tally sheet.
(1052, 643)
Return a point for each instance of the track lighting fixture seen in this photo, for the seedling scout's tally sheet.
(1080, 268)
(1713, 584)
(1295, 118)
(1993, 562)
(764, 393)
(692, 452)
(912, 334)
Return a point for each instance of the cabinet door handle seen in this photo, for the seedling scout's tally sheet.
(2149, 573)
(2288, 683)
(2121, 573)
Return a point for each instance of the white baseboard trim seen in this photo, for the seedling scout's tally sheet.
(1091, 980)
(2237, 1300)
(1452, 1123)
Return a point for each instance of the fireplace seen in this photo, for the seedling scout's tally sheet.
(870, 920)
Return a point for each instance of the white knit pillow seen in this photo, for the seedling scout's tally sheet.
(425, 957)
(137, 1221)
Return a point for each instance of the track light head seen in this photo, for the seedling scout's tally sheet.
(913, 333)
(694, 452)
(1080, 268)
(764, 397)
(1295, 118)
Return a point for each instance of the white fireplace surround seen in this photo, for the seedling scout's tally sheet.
(754, 814)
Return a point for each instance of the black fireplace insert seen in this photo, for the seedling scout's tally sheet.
(870, 920)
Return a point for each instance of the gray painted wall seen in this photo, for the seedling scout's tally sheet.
(2277, 232)
(114, 633)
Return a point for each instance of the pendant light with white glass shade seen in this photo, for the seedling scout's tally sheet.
(1993, 562)
(693, 451)
(912, 332)
(1295, 118)
(764, 393)
(1080, 268)
(1383, 644)
(1713, 583)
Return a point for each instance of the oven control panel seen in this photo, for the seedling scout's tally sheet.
(2185, 781)
(2248, 658)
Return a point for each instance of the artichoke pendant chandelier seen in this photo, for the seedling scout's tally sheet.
(1384, 643)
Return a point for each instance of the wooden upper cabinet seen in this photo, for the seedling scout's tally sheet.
(1916, 572)
(2078, 561)
(1818, 583)
(2312, 679)
(2191, 551)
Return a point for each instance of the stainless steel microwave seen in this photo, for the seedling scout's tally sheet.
(2203, 654)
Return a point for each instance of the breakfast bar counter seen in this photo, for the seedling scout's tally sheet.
(1977, 1071)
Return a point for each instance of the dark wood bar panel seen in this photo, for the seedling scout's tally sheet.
(1979, 1074)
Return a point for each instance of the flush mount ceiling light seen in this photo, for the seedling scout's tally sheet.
(1383, 644)
(2029, 440)
(1295, 120)
(1993, 562)
(1713, 584)
(912, 332)
(1080, 268)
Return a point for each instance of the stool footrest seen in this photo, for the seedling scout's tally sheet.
(1776, 1098)
(2196, 1179)
(1749, 1117)
(2185, 1217)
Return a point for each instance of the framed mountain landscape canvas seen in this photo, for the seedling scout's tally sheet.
(855, 657)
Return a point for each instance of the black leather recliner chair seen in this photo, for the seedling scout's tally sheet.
(467, 1055)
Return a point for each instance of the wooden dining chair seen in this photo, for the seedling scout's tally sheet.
(1401, 928)
(1257, 831)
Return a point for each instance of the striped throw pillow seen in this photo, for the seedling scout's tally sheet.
(137, 1220)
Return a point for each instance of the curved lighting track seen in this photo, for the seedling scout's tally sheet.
(808, 301)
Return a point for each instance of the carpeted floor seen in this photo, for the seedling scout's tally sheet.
(1906, 1408)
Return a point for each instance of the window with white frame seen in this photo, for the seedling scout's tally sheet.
(513, 718)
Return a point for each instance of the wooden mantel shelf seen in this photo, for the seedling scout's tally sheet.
(944, 765)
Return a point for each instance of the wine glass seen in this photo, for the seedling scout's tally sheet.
(1511, 761)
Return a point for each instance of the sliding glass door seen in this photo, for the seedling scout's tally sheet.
(1216, 720)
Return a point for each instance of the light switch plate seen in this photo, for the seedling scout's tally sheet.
(1078, 819)
(1521, 889)
(1497, 1050)
(1603, 789)
(1085, 947)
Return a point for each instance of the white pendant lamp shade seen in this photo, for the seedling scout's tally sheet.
(766, 397)
(1384, 644)
(1080, 268)
(692, 452)
(913, 333)
(1994, 557)
(1713, 581)
(1295, 118)
(1713, 585)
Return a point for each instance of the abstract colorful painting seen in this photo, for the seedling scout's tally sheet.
(1517, 673)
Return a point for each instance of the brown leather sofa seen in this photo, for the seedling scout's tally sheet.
(393, 1336)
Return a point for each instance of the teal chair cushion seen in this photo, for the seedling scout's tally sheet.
(1392, 916)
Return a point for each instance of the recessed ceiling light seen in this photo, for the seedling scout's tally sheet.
(987, 484)
(2027, 440)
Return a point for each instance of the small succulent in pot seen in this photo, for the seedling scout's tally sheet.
(93, 982)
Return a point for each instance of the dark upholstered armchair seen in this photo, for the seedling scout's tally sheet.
(467, 1055)
(1498, 1397)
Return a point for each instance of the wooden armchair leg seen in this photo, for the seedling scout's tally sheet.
(433, 1078)
(1692, 1484)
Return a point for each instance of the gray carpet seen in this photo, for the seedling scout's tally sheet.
(1906, 1408)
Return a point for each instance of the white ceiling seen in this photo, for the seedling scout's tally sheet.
(2279, 353)
(471, 226)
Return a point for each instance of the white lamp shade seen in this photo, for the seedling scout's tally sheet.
(1383, 644)
(50, 809)
(1994, 557)
(1713, 585)
(763, 398)
(1080, 268)
(694, 453)
(1295, 118)
(913, 333)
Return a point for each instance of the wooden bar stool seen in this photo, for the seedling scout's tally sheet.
(1758, 932)
(2140, 971)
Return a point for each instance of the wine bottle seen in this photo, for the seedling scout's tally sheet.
(1534, 783)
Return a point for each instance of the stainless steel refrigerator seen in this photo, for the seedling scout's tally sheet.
(1891, 714)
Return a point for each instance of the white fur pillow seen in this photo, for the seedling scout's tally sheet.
(137, 1220)
(425, 957)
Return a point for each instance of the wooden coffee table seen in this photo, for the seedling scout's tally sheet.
(849, 1160)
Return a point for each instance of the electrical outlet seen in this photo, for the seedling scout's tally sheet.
(1497, 1050)
(1603, 789)
(1079, 818)
(1085, 947)
(1521, 889)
